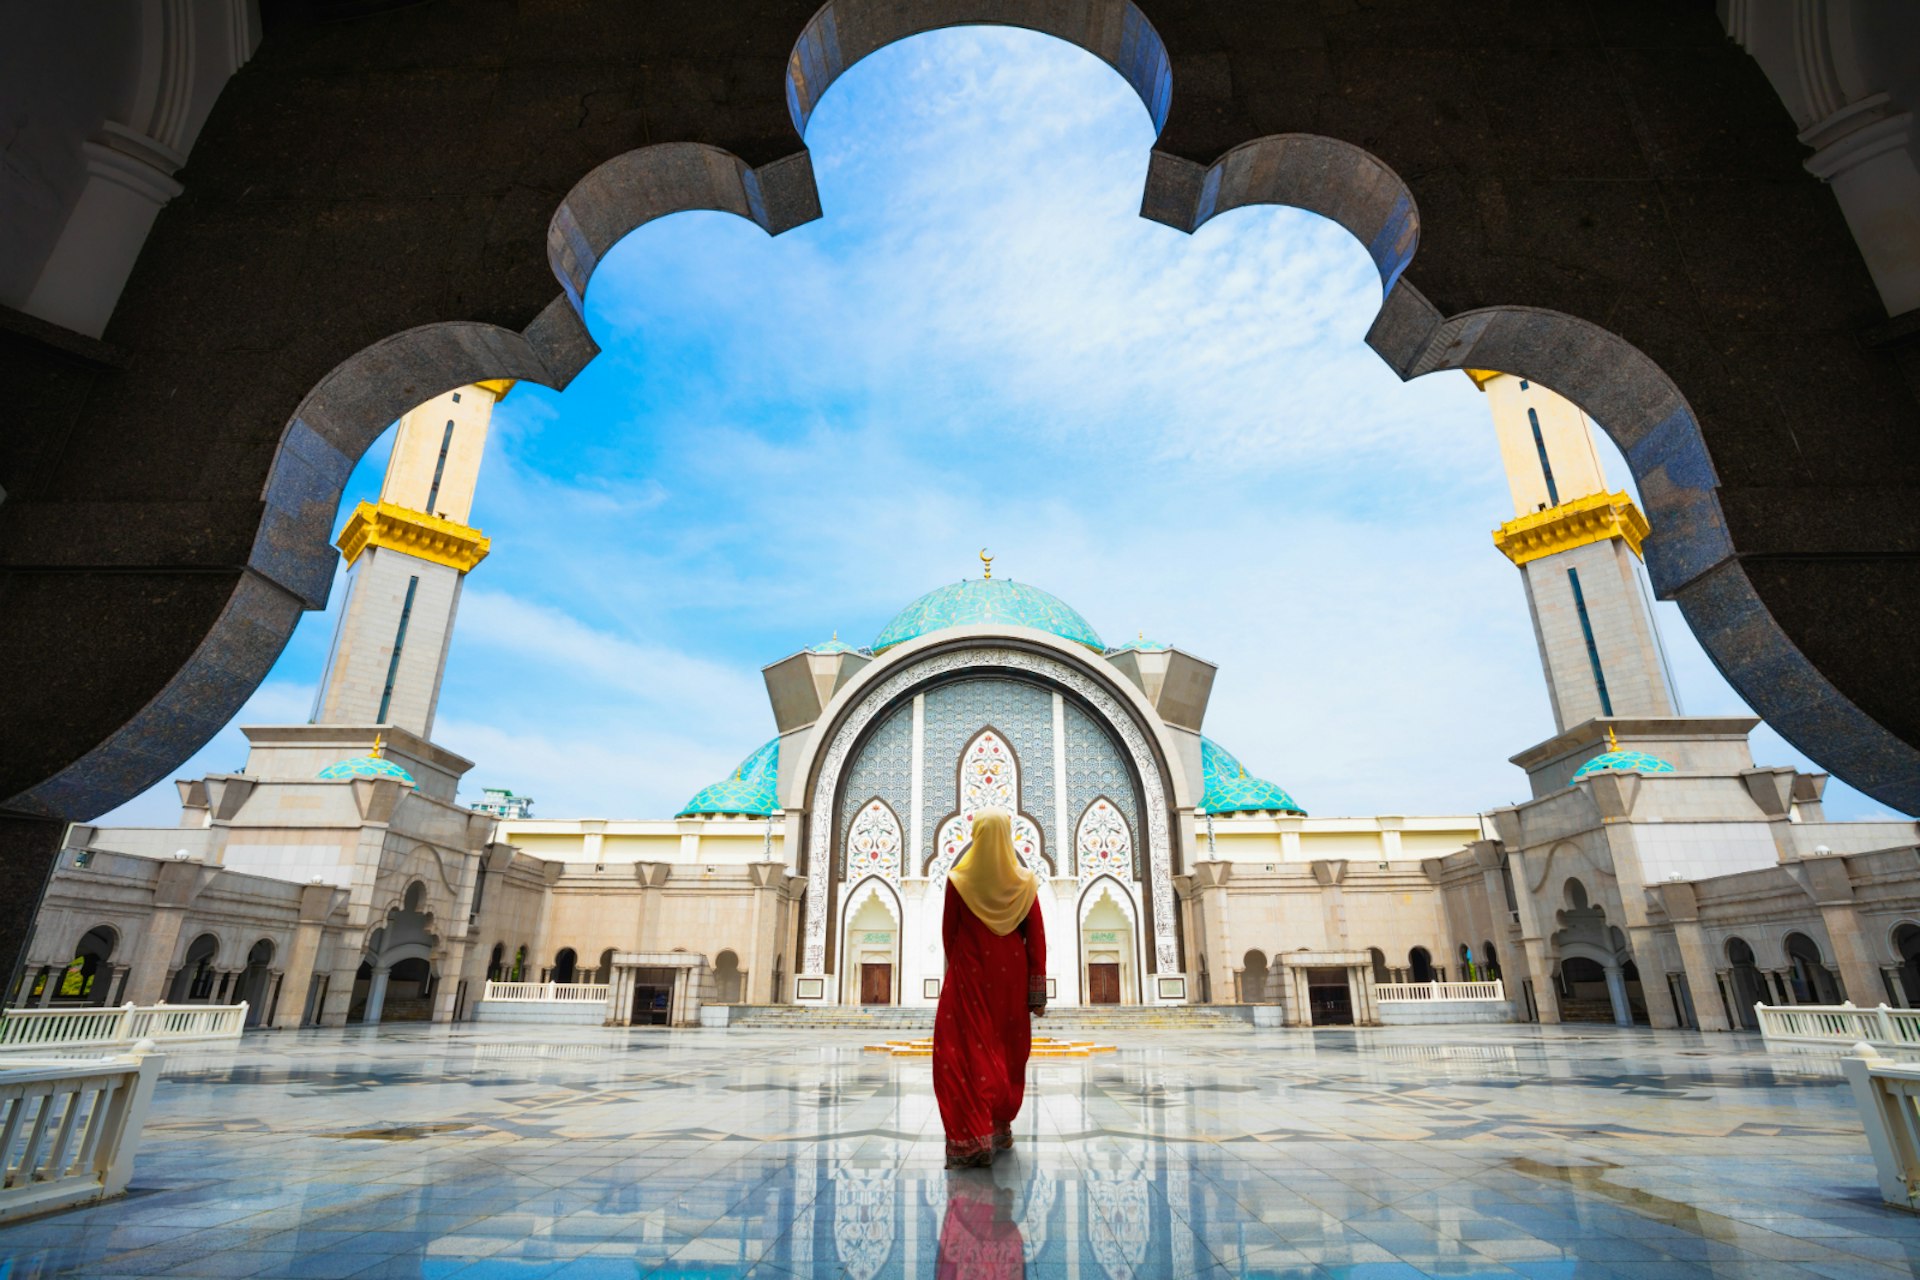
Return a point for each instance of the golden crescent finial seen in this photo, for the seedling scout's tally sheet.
(379, 745)
(986, 560)
(1613, 742)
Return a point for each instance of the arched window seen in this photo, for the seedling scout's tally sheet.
(197, 977)
(605, 973)
(1489, 962)
(416, 894)
(519, 964)
(1379, 958)
(1813, 982)
(82, 979)
(564, 965)
(1906, 942)
(726, 977)
(1420, 965)
(1253, 978)
(496, 962)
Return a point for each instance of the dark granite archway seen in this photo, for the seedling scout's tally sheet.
(1606, 197)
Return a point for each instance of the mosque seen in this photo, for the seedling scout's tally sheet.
(1657, 875)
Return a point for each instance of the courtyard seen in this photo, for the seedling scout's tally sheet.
(476, 1151)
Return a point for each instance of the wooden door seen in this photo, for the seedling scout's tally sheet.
(876, 984)
(1103, 984)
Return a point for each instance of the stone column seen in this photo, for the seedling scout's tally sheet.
(376, 996)
(1831, 885)
(316, 904)
(175, 887)
(1617, 996)
(1210, 902)
(1696, 957)
(1540, 968)
(447, 979)
(769, 881)
(1653, 978)
(1360, 991)
(1724, 985)
(652, 877)
(1896, 989)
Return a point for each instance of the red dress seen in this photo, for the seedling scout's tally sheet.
(982, 1034)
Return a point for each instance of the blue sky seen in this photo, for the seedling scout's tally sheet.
(982, 343)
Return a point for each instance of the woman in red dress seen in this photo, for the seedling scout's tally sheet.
(996, 976)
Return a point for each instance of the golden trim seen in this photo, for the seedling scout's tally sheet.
(497, 387)
(416, 533)
(1481, 377)
(1594, 518)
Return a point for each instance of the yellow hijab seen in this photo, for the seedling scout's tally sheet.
(989, 876)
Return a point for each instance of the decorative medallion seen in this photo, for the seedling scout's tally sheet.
(873, 843)
(1102, 845)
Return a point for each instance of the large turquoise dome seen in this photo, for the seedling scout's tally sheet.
(749, 789)
(1231, 789)
(987, 600)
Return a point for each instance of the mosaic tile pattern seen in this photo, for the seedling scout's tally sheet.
(1096, 766)
(980, 600)
(884, 771)
(1622, 762)
(955, 713)
(1229, 788)
(1582, 1153)
(366, 767)
(749, 789)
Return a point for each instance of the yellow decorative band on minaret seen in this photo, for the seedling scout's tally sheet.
(383, 524)
(1594, 518)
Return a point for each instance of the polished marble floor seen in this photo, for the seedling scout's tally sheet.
(589, 1154)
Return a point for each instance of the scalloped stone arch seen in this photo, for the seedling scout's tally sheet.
(1690, 553)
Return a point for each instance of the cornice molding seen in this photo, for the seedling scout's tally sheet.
(1594, 518)
(382, 524)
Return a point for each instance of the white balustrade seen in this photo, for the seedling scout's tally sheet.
(1839, 1025)
(69, 1128)
(1887, 1094)
(1389, 991)
(40, 1029)
(545, 992)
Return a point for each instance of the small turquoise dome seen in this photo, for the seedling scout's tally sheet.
(1141, 645)
(989, 600)
(747, 790)
(1231, 789)
(835, 645)
(367, 767)
(1621, 762)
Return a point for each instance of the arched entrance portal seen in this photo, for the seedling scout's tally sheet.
(1749, 988)
(915, 749)
(871, 944)
(256, 982)
(396, 966)
(1109, 973)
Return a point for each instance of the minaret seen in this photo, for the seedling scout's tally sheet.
(407, 556)
(1576, 546)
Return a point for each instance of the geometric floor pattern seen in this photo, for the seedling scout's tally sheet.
(1578, 1152)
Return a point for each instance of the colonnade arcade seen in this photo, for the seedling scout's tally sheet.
(916, 754)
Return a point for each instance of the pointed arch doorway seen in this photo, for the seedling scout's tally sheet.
(1109, 944)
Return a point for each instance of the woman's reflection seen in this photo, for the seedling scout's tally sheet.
(980, 1240)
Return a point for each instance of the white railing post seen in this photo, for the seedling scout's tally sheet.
(126, 1118)
(1886, 1116)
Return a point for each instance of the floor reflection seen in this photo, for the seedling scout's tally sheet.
(1253, 1155)
(981, 1238)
